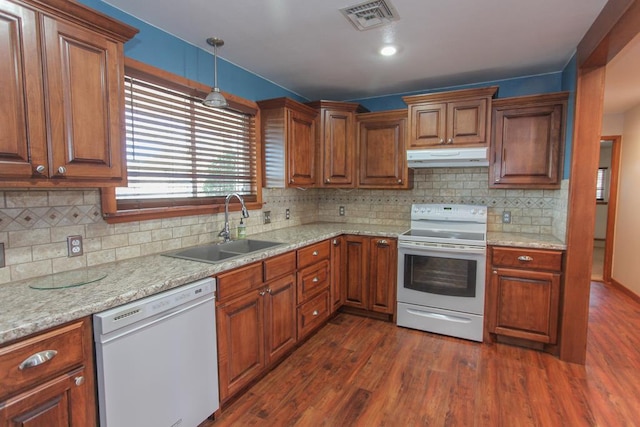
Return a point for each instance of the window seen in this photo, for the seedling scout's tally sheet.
(601, 185)
(181, 154)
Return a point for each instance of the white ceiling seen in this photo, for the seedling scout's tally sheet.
(308, 47)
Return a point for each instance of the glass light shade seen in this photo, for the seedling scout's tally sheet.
(215, 99)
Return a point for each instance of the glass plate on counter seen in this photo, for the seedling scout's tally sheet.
(68, 279)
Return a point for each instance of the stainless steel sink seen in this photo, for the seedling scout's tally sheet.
(214, 253)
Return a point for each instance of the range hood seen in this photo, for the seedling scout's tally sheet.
(447, 157)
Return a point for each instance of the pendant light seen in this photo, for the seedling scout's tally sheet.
(215, 99)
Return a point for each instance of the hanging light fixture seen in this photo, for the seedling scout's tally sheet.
(215, 99)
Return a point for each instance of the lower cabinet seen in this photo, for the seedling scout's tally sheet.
(47, 379)
(256, 326)
(370, 264)
(314, 280)
(523, 294)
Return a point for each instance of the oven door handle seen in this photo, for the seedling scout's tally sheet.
(447, 249)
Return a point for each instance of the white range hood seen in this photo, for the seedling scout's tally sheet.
(447, 157)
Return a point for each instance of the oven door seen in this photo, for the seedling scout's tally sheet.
(442, 276)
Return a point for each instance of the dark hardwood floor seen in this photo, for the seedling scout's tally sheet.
(363, 372)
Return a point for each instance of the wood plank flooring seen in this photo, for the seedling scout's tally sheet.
(363, 372)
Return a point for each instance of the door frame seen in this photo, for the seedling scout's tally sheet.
(617, 24)
(612, 205)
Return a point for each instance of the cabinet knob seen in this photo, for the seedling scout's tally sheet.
(383, 242)
(327, 180)
(399, 181)
(40, 168)
(62, 170)
(441, 140)
(450, 141)
(315, 279)
(79, 381)
(315, 253)
(37, 359)
(336, 242)
(525, 258)
(269, 291)
(495, 271)
(315, 312)
(262, 293)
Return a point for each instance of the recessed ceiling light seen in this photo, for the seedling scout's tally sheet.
(388, 51)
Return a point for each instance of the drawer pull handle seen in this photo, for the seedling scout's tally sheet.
(383, 242)
(37, 359)
(525, 258)
(315, 312)
(315, 279)
(315, 253)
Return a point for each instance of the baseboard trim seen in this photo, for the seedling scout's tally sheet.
(625, 290)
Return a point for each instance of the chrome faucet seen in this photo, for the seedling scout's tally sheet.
(226, 233)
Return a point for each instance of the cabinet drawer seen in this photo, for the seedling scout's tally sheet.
(313, 313)
(312, 279)
(63, 347)
(240, 280)
(536, 259)
(280, 265)
(313, 253)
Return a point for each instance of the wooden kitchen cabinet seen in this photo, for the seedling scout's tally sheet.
(256, 320)
(60, 390)
(313, 295)
(289, 143)
(382, 150)
(336, 139)
(527, 141)
(338, 273)
(450, 119)
(371, 266)
(63, 95)
(523, 295)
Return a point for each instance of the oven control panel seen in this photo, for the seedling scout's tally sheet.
(444, 212)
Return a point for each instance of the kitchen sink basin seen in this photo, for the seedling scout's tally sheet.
(214, 253)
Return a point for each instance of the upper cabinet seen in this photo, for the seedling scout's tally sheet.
(382, 150)
(527, 142)
(289, 143)
(456, 118)
(63, 95)
(336, 138)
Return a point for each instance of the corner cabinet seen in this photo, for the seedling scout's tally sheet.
(523, 295)
(48, 379)
(336, 139)
(382, 150)
(455, 118)
(63, 95)
(289, 143)
(528, 141)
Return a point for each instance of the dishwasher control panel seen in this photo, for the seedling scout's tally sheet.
(125, 315)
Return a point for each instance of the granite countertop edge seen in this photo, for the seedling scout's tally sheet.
(26, 311)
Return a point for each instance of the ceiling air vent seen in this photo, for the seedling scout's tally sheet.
(370, 14)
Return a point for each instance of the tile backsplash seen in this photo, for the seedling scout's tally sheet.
(34, 223)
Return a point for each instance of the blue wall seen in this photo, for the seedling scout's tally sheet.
(520, 86)
(569, 83)
(165, 51)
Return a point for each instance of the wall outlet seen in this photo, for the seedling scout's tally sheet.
(2, 264)
(341, 211)
(267, 217)
(506, 217)
(74, 246)
(287, 214)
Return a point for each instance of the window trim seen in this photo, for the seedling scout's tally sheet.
(112, 215)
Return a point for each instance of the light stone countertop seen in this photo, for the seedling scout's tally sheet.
(24, 311)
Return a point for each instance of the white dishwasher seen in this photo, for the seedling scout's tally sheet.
(156, 359)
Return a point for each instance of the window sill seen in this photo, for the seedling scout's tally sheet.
(172, 212)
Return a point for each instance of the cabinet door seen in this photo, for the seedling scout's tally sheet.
(382, 154)
(241, 338)
(525, 304)
(383, 273)
(428, 125)
(59, 402)
(301, 149)
(527, 147)
(22, 135)
(84, 99)
(467, 122)
(356, 281)
(338, 148)
(338, 273)
(280, 312)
